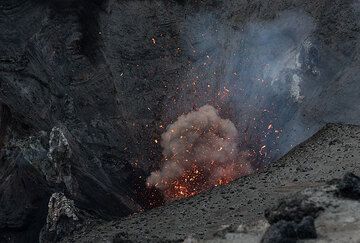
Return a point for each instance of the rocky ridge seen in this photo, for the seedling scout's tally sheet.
(324, 214)
(305, 172)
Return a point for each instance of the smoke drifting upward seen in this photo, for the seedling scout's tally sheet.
(256, 73)
(251, 73)
(276, 79)
(200, 151)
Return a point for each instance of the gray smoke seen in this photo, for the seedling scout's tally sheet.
(254, 74)
(277, 79)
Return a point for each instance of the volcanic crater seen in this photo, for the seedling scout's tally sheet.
(153, 121)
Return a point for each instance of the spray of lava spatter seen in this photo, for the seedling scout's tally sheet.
(200, 152)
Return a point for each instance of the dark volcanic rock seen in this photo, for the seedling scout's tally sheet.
(24, 194)
(281, 232)
(84, 181)
(292, 210)
(5, 118)
(55, 78)
(32, 168)
(306, 228)
(62, 219)
(289, 231)
(292, 219)
(349, 186)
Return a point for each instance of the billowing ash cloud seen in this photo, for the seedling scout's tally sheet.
(198, 143)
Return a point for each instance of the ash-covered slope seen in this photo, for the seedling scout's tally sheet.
(87, 85)
(330, 153)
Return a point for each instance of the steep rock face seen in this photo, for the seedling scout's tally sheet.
(24, 195)
(97, 78)
(106, 69)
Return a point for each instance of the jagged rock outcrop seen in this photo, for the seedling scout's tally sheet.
(62, 219)
(292, 220)
(334, 216)
(59, 155)
(292, 210)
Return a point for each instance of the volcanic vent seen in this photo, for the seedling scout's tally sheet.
(200, 151)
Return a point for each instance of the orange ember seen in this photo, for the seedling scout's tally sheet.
(200, 151)
(197, 180)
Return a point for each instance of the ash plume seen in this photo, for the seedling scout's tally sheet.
(259, 73)
(199, 141)
(275, 78)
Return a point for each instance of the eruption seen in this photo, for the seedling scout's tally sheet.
(200, 151)
(264, 75)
